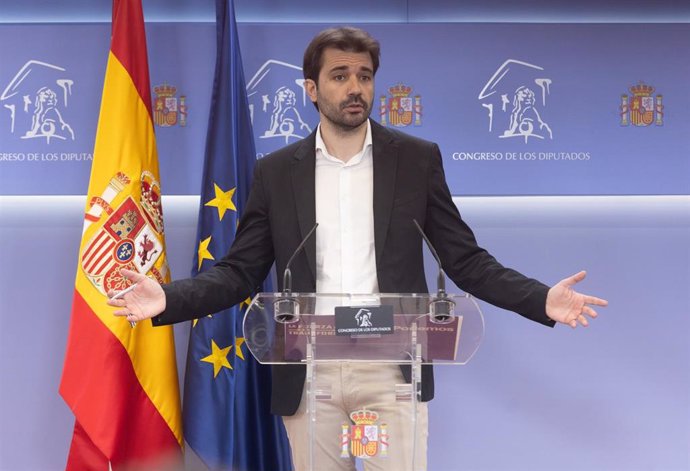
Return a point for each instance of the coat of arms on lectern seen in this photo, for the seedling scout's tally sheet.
(365, 437)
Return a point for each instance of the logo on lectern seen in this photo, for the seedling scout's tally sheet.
(371, 320)
(363, 318)
(365, 437)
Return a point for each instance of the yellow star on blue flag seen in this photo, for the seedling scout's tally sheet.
(218, 358)
(203, 253)
(222, 200)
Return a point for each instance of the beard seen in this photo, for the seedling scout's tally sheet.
(338, 114)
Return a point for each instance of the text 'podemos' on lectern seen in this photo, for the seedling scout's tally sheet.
(323, 331)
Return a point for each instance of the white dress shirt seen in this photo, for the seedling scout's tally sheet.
(345, 254)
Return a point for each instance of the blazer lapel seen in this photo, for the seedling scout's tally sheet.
(303, 187)
(385, 156)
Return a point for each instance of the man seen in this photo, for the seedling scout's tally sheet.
(364, 184)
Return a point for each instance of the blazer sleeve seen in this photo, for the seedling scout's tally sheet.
(471, 267)
(237, 275)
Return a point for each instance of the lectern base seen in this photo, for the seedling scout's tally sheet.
(345, 389)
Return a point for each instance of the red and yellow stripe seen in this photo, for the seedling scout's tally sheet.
(121, 382)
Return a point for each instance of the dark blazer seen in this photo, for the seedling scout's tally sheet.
(409, 183)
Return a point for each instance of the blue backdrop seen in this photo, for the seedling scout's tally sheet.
(518, 109)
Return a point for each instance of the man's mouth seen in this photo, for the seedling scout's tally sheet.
(354, 106)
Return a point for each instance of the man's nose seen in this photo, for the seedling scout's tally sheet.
(354, 86)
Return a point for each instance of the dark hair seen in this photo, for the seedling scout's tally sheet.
(344, 38)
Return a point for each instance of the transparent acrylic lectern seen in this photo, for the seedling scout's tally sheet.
(377, 330)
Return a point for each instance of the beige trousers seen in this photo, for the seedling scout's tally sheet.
(355, 386)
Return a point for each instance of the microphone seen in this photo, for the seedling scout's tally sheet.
(441, 307)
(286, 309)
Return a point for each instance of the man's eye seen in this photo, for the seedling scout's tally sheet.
(339, 77)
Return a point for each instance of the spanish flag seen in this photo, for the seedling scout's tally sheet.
(121, 381)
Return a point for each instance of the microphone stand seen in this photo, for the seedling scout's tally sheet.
(441, 307)
(286, 310)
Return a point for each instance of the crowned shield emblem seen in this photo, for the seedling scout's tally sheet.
(165, 109)
(641, 108)
(129, 238)
(365, 437)
(401, 109)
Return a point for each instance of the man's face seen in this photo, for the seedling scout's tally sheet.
(345, 88)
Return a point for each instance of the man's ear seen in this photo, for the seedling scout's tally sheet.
(310, 87)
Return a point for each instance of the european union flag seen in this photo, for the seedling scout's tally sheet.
(227, 393)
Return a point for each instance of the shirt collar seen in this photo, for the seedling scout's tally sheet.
(322, 152)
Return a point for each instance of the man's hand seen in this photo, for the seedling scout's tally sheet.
(146, 300)
(565, 305)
